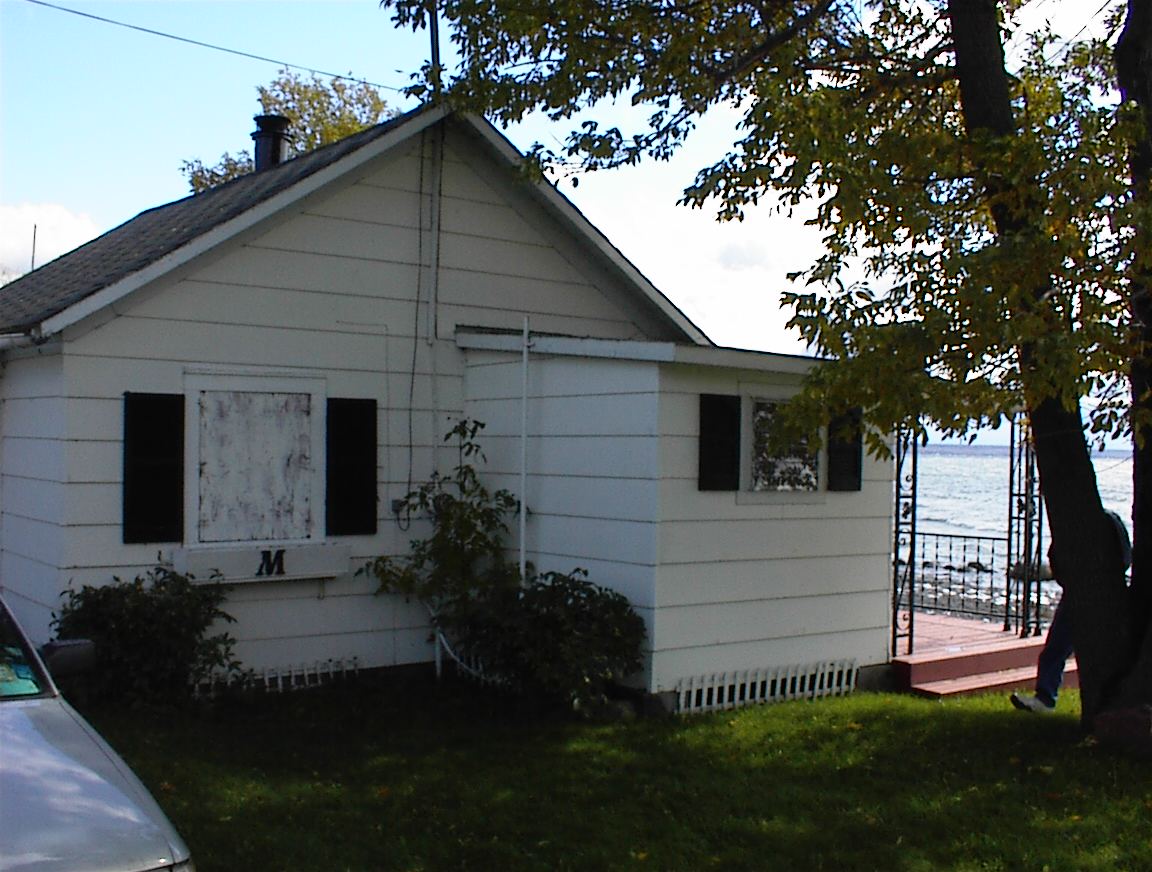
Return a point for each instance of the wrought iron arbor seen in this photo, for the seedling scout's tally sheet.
(991, 578)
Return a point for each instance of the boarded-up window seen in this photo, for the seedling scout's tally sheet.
(845, 452)
(153, 509)
(719, 449)
(255, 466)
(350, 504)
(793, 468)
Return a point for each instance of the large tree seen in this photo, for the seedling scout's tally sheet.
(319, 112)
(1000, 215)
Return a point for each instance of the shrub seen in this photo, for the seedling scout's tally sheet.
(151, 635)
(559, 636)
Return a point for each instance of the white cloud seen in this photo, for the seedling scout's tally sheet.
(57, 229)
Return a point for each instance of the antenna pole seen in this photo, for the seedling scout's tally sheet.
(33, 246)
(434, 35)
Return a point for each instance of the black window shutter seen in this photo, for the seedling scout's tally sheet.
(153, 468)
(350, 504)
(845, 452)
(719, 468)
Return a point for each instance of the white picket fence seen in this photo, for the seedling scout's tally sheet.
(302, 676)
(729, 690)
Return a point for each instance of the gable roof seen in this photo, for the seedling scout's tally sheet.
(104, 270)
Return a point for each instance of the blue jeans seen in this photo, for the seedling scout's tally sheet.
(1055, 653)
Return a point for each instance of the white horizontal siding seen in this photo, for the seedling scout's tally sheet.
(611, 499)
(31, 589)
(767, 579)
(629, 457)
(702, 541)
(35, 418)
(40, 541)
(39, 458)
(497, 375)
(33, 499)
(32, 375)
(752, 620)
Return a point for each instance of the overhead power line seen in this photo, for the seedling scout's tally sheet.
(208, 45)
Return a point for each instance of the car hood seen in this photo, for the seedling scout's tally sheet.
(68, 802)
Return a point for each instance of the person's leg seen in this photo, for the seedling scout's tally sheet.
(1049, 665)
(1055, 653)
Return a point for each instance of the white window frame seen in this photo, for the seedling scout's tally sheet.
(252, 381)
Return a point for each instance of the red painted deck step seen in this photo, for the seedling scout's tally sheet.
(985, 667)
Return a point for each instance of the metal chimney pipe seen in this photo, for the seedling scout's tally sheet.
(271, 138)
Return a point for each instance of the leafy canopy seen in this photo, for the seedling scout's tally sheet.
(320, 113)
(855, 107)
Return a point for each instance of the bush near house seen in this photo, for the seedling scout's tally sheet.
(151, 634)
(552, 635)
(558, 636)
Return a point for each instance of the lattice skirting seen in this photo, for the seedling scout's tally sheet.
(728, 690)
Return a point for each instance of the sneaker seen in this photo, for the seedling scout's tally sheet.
(1031, 703)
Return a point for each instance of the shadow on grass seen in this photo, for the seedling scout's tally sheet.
(418, 776)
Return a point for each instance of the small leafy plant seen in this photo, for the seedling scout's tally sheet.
(151, 634)
(465, 552)
(552, 635)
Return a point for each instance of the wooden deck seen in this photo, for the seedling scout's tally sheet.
(947, 634)
(964, 655)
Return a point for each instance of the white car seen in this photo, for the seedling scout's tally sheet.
(68, 803)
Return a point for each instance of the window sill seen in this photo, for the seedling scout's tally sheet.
(262, 562)
(780, 498)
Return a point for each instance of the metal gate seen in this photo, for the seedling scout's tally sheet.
(1025, 535)
(982, 577)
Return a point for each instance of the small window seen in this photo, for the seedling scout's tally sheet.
(153, 468)
(796, 468)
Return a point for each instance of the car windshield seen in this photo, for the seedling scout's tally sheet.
(20, 675)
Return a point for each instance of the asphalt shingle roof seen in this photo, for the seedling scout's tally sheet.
(143, 240)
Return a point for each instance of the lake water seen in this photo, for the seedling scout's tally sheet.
(963, 489)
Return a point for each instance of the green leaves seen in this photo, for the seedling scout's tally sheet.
(320, 113)
(857, 110)
(465, 551)
(152, 636)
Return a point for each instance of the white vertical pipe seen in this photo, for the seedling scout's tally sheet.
(524, 452)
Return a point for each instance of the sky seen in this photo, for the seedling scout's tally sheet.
(96, 119)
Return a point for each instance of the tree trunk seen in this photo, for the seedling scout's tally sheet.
(1133, 57)
(1084, 552)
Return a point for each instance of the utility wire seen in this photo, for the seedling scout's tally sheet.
(209, 45)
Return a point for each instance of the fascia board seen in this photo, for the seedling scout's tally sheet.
(223, 232)
(738, 358)
(630, 349)
(575, 218)
(560, 346)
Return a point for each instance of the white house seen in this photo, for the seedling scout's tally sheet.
(246, 379)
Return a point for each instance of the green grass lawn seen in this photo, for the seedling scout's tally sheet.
(411, 776)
